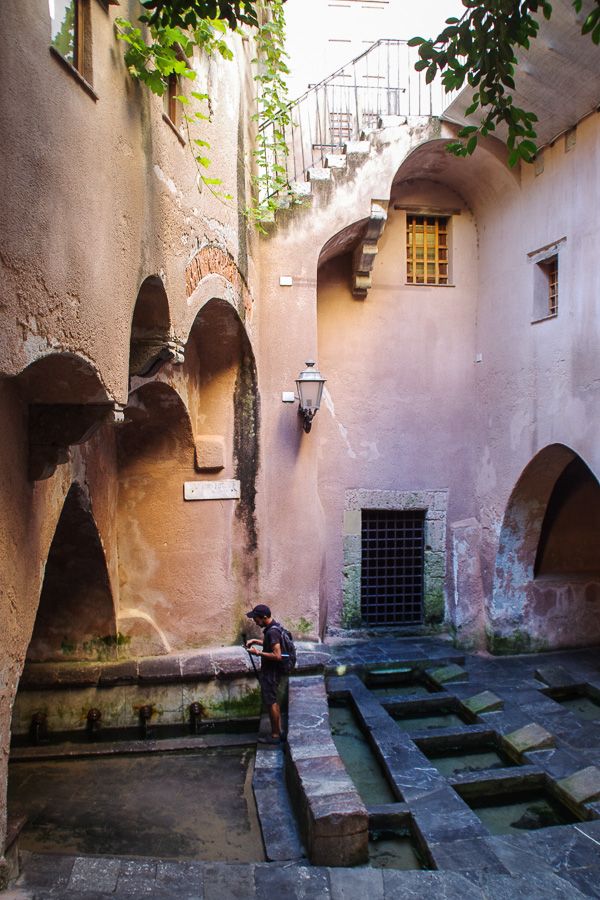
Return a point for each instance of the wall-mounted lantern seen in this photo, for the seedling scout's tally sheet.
(309, 384)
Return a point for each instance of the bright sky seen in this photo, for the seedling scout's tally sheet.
(325, 34)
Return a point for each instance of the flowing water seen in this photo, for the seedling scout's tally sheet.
(451, 762)
(400, 690)
(356, 754)
(524, 811)
(393, 850)
(425, 722)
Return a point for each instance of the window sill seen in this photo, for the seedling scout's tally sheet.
(544, 318)
(410, 284)
(74, 73)
(174, 129)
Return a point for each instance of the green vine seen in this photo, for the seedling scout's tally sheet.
(164, 47)
(270, 181)
(167, 53)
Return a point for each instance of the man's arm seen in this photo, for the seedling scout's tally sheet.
(275, 654)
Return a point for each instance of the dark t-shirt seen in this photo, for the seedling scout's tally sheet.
(271, 636)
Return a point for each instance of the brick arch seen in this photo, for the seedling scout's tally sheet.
(210, 261)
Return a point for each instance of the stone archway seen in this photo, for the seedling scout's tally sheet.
(546, 594)
(76, 615)
(152, 343)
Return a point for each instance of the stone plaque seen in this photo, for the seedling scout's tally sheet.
(228, 489)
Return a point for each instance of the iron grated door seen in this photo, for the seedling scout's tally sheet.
(393, 544)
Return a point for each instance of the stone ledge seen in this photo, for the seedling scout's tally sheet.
(203, 665)
(333, 819)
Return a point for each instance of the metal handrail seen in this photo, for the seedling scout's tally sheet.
(349, 103)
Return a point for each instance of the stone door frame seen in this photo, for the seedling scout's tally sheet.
(434, 504)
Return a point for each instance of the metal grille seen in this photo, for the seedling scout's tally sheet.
(553, 286)
(392, 566)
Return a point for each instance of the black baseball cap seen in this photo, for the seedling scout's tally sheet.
(260, 610)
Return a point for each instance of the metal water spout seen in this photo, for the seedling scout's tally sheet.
(94, 722)
(145, 715)
(38, 730)
(195, 717)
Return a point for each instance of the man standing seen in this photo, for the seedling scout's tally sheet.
(272, 668)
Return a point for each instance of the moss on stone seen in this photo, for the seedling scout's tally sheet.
(434, 606)
(248, 705)
(509, 644)
(301, 628)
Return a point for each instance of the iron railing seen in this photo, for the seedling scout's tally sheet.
(380, 82)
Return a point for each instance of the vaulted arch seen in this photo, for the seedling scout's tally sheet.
(76, 615)
(547, 575)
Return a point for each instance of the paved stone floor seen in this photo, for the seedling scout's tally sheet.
(551, 696)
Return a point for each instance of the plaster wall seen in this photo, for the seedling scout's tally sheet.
(538, 382)
(97, 194)
(398, 412)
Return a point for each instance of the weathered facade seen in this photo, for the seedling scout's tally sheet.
(148, 334)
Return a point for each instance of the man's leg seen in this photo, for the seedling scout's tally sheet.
(275, 717)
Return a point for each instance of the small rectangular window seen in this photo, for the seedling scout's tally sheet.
(172, 104)
(427, 249)
(66, 29)
(71, 38)
(546, 288)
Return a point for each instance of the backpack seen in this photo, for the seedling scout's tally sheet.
(288, 648)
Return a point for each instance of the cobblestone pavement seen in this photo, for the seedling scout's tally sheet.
(496, 697)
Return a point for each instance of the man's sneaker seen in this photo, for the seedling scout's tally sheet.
(269, 739)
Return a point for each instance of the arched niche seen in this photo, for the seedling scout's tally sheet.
(67, 402)
(569, 545)
(220, 372)
(152, 344)
(76, 616)
(155, 453)
(547, 576)
(222, 390)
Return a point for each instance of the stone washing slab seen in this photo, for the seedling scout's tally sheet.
(484, 702)
(582, 786)
(334, 821)
(530, 737)
(449, 673)
(277, 821)
(554, 676)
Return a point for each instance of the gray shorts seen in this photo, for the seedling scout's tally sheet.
(270, 679)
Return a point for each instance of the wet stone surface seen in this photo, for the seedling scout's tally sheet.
(468, 859)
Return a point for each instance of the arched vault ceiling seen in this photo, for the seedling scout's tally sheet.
(558, 78)
(479, 179)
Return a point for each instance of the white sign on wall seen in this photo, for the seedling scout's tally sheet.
(228, 489)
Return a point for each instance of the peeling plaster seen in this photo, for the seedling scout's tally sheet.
(342, 429)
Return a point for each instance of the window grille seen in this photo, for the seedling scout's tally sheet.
(426, 249)
(551, 267)
(392, 561)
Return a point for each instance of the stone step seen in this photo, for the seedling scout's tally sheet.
(277, 821)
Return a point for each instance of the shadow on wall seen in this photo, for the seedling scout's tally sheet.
(76, 616)
(547, 578)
